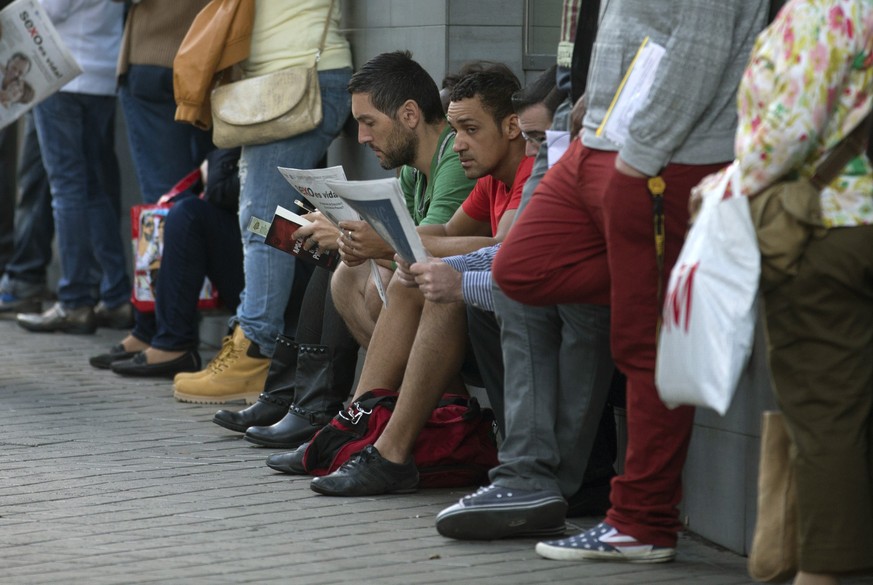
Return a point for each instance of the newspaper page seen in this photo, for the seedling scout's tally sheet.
(381, 204)
(34, 63)
(311, 184)
(557, 141)
(632, 92)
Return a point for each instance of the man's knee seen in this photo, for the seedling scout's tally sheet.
(398, 293)
(344, 288)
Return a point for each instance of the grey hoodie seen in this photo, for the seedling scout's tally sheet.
(690, 113)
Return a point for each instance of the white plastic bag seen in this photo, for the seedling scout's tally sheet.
(709, 312)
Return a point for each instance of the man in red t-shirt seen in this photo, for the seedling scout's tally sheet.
(417, 346)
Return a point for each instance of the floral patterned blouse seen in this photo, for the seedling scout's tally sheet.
(808, 84)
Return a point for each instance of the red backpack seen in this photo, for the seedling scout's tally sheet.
(456, 447)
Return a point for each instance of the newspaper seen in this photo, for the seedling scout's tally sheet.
(381, 204)
(34, 63)
(311, 183)
(558, 142)
(632, 93)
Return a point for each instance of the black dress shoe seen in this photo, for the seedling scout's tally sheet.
(116, 354)
(138, 366)
(268, 410)
(368, 474)
(290, 462)
(120, 317)
(295, 428)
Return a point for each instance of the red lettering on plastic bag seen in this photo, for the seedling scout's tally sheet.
(677, 308)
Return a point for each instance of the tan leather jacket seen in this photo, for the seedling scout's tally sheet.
(219, 37)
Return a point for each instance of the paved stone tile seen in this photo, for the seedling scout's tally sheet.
(108, 480)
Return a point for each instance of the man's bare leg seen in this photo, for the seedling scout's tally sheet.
(392, 339)
(348, 287)
(434, 364)
(372, 300)
(434, 361)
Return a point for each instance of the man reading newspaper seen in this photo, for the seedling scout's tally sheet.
(418, 347)
(401, 119)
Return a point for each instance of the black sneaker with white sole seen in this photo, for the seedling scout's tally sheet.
(498, 512)
(367, 473)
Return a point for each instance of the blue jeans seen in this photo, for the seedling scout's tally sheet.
(34, 225)
(200, 240)
(163, 150)
(8, 144)
(76, 137)
(269, 273)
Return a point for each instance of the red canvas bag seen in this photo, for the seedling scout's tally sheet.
(456, 447)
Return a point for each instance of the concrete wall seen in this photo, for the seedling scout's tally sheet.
(721, 474)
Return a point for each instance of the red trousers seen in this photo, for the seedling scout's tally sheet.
(608, 217)
(555, 252)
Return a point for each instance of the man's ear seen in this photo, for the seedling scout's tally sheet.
(409, 114)
(510, 126)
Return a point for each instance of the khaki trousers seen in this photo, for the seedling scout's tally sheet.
(820, 333)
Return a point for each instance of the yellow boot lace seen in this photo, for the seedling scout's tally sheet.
(226, 359)
(222, 358)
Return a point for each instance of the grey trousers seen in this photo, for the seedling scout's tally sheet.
(558, 372)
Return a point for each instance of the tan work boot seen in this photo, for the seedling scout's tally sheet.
(226, 345)
(238, 372)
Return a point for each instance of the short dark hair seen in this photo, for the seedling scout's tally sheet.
(452, 79)
(494, 85)
(392, 78)
(542, 90)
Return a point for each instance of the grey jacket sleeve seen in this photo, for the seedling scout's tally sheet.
(699, 51)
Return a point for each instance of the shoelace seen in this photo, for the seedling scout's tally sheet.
(361, 457)
(222, 359)
(227, 359)
(482, 490)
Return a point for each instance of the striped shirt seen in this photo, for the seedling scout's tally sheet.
(475, 269)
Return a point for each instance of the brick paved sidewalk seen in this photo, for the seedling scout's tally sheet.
(105, 479)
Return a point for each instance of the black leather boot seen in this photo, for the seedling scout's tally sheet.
(277, 397)
(324, 380)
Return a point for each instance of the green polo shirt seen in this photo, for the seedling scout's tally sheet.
(435, 202)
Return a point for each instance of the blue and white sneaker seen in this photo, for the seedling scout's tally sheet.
(605, 543)
(497, 512)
